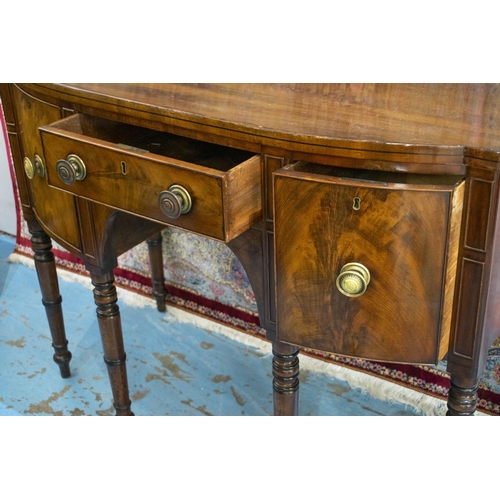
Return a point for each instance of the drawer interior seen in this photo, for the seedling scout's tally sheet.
(375, 176)
(142, 140)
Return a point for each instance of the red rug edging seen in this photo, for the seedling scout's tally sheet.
(10, 161)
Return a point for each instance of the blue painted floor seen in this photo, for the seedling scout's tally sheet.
(174, 368)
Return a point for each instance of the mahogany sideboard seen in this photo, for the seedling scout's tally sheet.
(365, 215)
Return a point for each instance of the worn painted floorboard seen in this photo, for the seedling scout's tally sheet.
(174, 367)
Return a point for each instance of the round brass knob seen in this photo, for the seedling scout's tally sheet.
(353, 279)
(29, 168)
(71, 169)
(39, 166)
(175, 201)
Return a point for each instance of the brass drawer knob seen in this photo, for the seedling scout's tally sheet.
(71, 169)
(353, 279)
(175, 201)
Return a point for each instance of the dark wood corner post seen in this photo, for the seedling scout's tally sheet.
(108, 317)
(51, 297)
(285, 357)
(285, 379)
(476, 321)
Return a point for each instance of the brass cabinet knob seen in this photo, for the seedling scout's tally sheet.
(29, 168)
(175, 201)
(39, 166)
(353, 279)
(71, 169)
(33, 168)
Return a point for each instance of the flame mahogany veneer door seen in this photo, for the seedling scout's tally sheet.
(405, 234)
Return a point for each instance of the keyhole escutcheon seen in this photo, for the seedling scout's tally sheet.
(356, 203)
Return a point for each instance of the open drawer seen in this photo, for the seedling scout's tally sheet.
(204, 188)
(366, 261)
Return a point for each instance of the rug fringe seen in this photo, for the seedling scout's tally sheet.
(374, 386)
(378, 388)
(128, 297)
(368, 384)
(182, 316)
(17, 258)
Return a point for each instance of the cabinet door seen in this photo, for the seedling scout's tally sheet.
(366, 261)
(55, 211)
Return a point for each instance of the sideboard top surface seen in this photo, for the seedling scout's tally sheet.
(414, 118)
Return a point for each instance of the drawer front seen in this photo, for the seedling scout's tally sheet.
(120, 172)
(394, 302)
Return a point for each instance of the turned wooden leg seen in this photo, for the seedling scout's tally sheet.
(108, 316)
(285, 379)
(157, 276)
(462, 401)
(51, 298)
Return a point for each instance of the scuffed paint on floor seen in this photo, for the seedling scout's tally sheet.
(174, 368)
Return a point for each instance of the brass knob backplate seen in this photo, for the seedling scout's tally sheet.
(353, 279)
(71, 169)
(175, 202)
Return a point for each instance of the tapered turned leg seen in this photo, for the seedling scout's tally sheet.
(285, 379)
(461, 401)
(51, 298)
(157, 276)
(108, 316)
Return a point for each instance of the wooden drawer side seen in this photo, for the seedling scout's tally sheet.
(455, 221)
(243, 197)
